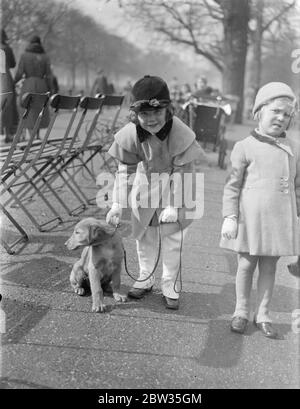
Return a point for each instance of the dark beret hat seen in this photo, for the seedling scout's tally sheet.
(150, 92)
(35, 39)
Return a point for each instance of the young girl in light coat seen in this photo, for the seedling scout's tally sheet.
(261, 203)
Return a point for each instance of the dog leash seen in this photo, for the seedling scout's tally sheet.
(179, 273)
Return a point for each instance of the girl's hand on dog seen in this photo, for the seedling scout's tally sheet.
(114, 215)
(229, 228)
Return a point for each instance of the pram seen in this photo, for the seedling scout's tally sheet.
(207, 117)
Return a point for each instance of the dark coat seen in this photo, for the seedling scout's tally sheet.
(100, 86)
(9, 116)
(34, 67)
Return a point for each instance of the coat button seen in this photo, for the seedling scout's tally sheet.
(286, 191)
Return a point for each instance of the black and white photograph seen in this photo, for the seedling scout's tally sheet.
(150, 200)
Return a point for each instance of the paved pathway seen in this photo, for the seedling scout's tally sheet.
(53, 340)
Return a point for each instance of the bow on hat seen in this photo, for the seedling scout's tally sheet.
(150, 92)
(150, 103)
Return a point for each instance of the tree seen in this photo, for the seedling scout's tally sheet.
(269, 20)
(23, 18)
(235, 25)
(214, 29)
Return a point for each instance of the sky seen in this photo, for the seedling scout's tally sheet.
(109, 14)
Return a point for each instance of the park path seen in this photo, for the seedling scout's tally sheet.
(53, 340)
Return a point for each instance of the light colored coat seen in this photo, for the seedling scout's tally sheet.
(263, 190)
(175, 154)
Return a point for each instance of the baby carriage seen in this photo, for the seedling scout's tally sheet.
(207, 117)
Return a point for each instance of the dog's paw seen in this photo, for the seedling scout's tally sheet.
(99, 308)
(79, 291)
(120, 297)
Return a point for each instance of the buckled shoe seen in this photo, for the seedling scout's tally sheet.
(138, 293)
(171, 303)
(267, 329)
(239, 324)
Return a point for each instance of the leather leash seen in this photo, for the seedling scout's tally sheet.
(178, 275)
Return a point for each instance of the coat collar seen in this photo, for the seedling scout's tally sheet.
(280, 141)
(162, 134)
(180, 137)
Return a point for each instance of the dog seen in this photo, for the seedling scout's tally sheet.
(100, 263)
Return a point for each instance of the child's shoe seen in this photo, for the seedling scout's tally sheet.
(267, 329)
(239, 324)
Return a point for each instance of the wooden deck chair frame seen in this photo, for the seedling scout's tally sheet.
(5, 98)
(87, 104)
(9, 247)
(58, 167)
(33, 152)
(44, 177)
(14, 158)
(90, 147)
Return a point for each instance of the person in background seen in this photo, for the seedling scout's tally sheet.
(100, 85)
(34, 67)
(54, 85)
(261, 204)
(110, 88)
(201, 88)
(9, 115)
(127, 92)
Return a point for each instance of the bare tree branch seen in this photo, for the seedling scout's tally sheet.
(277, 16)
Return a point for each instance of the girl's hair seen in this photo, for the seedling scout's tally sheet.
(133, 116)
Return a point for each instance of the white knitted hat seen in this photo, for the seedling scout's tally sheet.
(270, 91)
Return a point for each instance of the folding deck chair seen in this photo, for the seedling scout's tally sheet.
(46, 170)
(103, 135)
(12, 158)
(5, 98)
(5, 155)
(91, 145)
(88, 104)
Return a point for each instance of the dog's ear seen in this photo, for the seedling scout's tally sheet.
(96, 234)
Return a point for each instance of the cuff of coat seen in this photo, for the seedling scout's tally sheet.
(116, 206)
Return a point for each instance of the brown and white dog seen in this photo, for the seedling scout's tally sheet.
(100, 262)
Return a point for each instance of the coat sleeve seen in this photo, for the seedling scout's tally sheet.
(122, 187)
(192, 153)
(234, 182)
(20, 70)
(128, 162)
